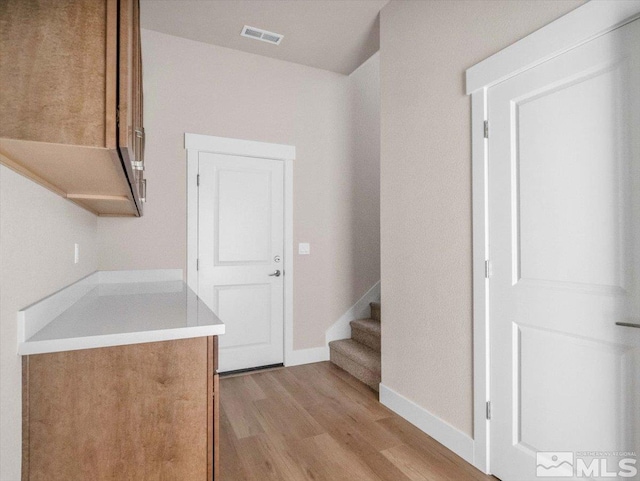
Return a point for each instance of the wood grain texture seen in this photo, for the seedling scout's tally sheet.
(59, 75)
(25, 418)
(137, 100)
(111, 75)
(216, 427)
(211, 394)
(120, 207)
(123, 413)
(53, 70)
(126, 85)
(72, 169)
(318, 423)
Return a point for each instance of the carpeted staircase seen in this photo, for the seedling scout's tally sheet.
(360, 355)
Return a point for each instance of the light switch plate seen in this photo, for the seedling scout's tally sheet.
(304, 248)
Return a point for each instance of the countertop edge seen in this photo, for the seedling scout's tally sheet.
(121, 339)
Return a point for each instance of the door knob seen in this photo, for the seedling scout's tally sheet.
(275, 274)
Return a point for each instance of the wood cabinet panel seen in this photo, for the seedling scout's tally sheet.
(70, 72)
(53, 71)
(139, 412)
(126, 137)
(213, 448)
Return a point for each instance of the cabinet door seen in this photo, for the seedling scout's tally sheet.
(56, 70)
(133, 412)
(213, 423)
(137, 102)
(126, 66)
(137, 83)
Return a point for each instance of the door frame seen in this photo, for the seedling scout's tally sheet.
(579, 26)
(196, 143)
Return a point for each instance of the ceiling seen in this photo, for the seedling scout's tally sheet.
(335, 35)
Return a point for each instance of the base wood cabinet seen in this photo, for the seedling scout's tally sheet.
(71, 103)
(138, 412)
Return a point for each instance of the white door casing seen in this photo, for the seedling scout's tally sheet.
(241, 246)
(201, 147)
(564, 244)
(587, 22)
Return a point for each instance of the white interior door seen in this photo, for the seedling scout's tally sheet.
(564, 243)
(240, 247)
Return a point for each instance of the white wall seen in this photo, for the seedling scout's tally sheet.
(200, 88)
(38, 230)
(364, 98)
(425, 48)
(332, 119)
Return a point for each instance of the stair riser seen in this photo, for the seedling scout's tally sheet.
(363, 374)
(376, 314)
(366, 338)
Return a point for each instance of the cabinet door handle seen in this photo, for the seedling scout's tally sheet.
(137, 165)
(628, 324)
(143, 195)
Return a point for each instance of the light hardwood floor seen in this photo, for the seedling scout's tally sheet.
(318, 423)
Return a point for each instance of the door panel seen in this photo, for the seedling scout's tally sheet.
(241, 241)
(564, 242)
(548, 362)
(245, 307)
(560, 138)
(246, 196)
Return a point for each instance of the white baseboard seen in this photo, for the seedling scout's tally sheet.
(339, 330)
(360, 310)
(306, 356)
(455, 440)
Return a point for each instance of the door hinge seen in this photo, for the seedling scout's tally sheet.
(486, 129)
(197, 264)
(198, 180)
(487, 269)
(488, 410)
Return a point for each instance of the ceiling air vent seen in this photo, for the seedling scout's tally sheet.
(262, 35)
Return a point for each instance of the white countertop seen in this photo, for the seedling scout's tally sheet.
(114, 308)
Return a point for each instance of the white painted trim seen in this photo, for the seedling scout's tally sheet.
(288, 263)
(195, 143)
(138, 276)
(481, 391)
(192, 219)
(38, 315)
(444, 433)
(341, 329)
(244, 148)
(306, 356)
(585, 23)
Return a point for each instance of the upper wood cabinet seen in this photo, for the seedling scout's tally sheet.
(71, 100)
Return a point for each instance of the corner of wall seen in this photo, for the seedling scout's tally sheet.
(360, 310)
(450, 437)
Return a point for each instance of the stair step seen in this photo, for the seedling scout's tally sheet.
(376, 311)
(358, 360)
(367, 332)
